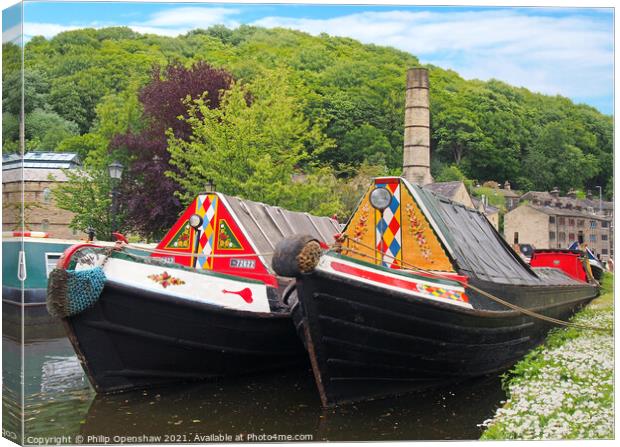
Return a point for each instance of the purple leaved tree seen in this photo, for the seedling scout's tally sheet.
(147, 194)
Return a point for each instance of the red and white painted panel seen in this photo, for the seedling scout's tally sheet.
(203, 287)
(427, 289)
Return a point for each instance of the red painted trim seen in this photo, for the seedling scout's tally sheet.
(445, 275)
(409, 285)
(120, 237)
(387, 180)
(65, 259)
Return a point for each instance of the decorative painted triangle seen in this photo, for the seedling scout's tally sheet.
(181, 240)
(226, 239)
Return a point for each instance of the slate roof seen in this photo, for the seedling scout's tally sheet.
(489, 209)
(446, 189)
(552, 211)
(564, 202)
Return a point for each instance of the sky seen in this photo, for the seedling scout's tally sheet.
(551, 50)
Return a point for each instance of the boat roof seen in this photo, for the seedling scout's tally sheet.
(265, 225)
(472, 241)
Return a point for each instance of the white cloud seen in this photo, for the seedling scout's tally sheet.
(169, 22)
(191, 17)
(550, 54)
(571, 55)
(12, 34)
(45, 29)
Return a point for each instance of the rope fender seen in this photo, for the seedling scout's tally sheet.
(70, 292)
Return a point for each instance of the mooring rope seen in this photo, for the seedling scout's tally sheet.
(195, 255)
(120, 246)
(415, 269)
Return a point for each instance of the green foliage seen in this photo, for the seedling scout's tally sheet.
(493, 196)
(253, 149)
(49, 128)
(87, 195)
(365, 144)
(450, 174)
(564, 388)
(351, 189)
(118, 113)
(86, 146)
(353, 93)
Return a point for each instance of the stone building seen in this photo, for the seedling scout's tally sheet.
(36, 174)
(546, 220)
(511, 197)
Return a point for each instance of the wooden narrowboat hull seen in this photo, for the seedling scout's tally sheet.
(132, 338)
(366, 341)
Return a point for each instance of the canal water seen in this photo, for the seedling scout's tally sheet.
(60, 402)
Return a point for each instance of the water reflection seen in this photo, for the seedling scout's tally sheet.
(59, 401)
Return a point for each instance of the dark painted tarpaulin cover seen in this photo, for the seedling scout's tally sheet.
(478, 249)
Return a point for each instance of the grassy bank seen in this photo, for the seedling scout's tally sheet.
(564, 388)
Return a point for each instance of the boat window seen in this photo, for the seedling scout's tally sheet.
(51, 259)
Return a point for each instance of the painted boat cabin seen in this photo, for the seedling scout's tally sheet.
(399, 225)
(230, 235)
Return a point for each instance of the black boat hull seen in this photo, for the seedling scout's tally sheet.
(131, 339)
(366, 342)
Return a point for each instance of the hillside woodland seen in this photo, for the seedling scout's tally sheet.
(275, 115)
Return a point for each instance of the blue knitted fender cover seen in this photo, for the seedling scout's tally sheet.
(70, 292)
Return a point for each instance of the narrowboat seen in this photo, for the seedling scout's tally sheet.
(203, 304)
(595, 264)
(420, 292)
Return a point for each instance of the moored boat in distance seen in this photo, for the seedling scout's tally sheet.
(596, 265)
(204, 304)
(416, 296)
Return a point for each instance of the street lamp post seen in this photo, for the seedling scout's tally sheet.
(115, 170)
(210, 186)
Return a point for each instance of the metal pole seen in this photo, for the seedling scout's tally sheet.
(600, 199)
(114, 210)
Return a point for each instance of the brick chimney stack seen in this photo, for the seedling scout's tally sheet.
(417, 142)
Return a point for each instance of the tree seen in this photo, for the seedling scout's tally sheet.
(49, 128)
(87, 195)
(366, 143)
(253, 149)
(149, 196)
(84, 145)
